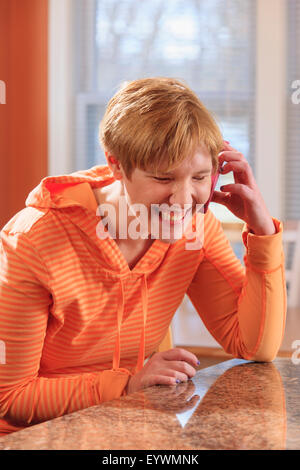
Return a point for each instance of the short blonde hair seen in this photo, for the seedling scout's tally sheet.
(157, 121)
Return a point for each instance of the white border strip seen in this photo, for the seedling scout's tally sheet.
(270, 103)
(60, 87)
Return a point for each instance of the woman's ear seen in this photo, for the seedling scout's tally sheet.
(114, 165)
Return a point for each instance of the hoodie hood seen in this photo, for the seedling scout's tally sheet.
(76, 189)
(62, 191)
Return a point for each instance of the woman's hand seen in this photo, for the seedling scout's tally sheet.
(243, 197)
(164, 368)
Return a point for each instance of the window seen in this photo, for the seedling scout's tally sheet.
(292, 172)
(209, 44)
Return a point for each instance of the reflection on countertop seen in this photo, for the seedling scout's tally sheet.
(235, 404)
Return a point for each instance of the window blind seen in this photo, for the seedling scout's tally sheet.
(292, 162)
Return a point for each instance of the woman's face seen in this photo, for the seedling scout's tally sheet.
(189, 184)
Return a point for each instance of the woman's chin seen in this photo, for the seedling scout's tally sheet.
(171, 233)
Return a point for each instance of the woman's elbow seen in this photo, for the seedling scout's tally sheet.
(264, 356)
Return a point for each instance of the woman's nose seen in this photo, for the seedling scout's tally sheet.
(182, 195)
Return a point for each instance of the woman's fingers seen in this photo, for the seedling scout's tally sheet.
(165, 368)
(157, 379)
(227, 146)
(237, 166)
(230, 155)
(179, 354)
(176, 371)
(183, 369)
(243, 198)
(241, 170)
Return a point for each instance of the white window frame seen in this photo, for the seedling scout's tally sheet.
(271, 113)
(60, 105)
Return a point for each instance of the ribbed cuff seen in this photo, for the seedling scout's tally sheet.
(264, 252)
(113, 383)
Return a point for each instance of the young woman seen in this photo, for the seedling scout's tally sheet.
(85, 298)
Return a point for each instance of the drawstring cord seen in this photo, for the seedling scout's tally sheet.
(120, 312)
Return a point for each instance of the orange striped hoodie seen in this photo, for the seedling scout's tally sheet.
(76, 321)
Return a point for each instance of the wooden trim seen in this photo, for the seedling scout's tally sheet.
(206, 351)
(285, 353)
(232, 226)
(218, 352)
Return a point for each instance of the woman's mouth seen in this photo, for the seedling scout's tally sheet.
(172, 217)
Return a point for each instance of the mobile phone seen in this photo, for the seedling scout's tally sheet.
(214, 180)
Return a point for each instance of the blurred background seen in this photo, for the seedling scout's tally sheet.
(62, 60)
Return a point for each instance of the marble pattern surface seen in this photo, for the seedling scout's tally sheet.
(235, 404)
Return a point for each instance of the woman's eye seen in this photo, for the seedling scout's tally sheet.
(167, 179)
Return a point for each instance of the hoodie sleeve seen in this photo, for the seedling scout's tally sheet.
(244, 308)
(25, 397)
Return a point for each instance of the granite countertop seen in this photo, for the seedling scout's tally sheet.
(235, 404)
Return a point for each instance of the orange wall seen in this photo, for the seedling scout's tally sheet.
(23, 119)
